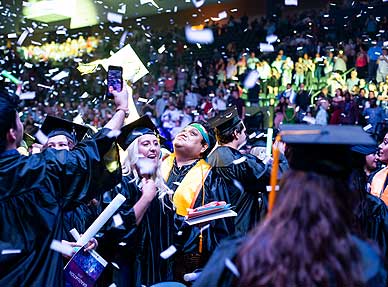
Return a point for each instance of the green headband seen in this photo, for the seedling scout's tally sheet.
(202, 131)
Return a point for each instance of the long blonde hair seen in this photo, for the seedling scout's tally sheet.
(129, 167)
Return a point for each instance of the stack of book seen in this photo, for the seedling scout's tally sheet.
(208, 212)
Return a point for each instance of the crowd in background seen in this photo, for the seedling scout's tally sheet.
(326, 66)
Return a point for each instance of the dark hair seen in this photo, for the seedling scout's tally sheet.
(212, 137)
(228, 136)
(8, 113)
(306, 241)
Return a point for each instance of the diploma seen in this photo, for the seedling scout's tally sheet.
(101, 219)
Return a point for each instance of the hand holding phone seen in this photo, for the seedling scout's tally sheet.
(115, 80)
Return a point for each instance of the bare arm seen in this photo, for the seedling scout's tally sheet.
(121, 102)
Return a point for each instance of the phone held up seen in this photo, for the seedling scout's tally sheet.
(115, 80)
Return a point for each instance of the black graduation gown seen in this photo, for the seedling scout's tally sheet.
(245, 182)
(136, 248)
(187, 241)
(373, 221)
(217, 273)
(35, 191)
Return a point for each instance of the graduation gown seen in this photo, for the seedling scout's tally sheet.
(373, 221)
(188, 242)
(35, 192)
(245, 182)
(136, 248)
(217, 273)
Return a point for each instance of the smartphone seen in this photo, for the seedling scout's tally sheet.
(115, 80)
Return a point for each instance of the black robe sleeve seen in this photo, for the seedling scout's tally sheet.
(35, 192)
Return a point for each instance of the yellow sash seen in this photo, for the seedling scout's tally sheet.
(187, 192)
(378, 185)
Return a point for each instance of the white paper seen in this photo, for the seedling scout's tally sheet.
(114, 17)
(27, 96)
(168, 252)
(61, 247)
(22, 37)
(60, 76)
(152, 2)
(291, 2)
(198, 3)
(74, 232)
(250, 80)
(204, 36)
(102, 219)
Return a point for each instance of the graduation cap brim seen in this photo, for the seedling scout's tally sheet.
(226, 121)
(132, 131)
(325, 135)
(53, 126)
(364, 150)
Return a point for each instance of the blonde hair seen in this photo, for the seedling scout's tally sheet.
(129, 166)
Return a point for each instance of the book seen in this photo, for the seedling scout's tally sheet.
(84, 268)
(210, 211)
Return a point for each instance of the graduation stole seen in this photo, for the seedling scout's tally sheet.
(378, 183)
(187, 192)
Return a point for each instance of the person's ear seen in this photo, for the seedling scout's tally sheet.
(204, 148)
(11, 135)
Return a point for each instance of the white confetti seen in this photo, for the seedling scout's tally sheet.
(84, 95)
(251, 79)
(291, 2)
(168, 252)
(12, 36)
(162, 49)
(269, 188)
(61, 247)
(367, 127)
(28, 65)
(41, 137)
(204, 36)
(271, 39)
(117, 220)
(114, 17)
(122, 243)
(27, 95)
(198, 3)
(122, 9)
(10, 251)
(152, 2)
(74, 232)
(22, 37)
(230, 265)
(60, 76)
(265, 47)
(115, 265)
(199, 63)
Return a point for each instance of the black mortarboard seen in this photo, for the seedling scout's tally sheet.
(53, 126)
(225, 121)
(323, 149)
(132, 131)
(365, 149)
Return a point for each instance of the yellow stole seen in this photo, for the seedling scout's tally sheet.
(187, 192)
(378, 185)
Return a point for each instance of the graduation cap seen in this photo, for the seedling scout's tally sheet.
(132, 131)
(364, 149)
(53, 126)
(321, 149)
(226, 121)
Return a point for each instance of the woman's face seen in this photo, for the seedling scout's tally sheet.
(149, 147)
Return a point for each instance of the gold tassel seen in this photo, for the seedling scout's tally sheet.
(200, 243)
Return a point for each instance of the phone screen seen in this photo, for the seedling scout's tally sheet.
(115, 79)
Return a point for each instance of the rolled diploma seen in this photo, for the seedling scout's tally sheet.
(101, 219)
